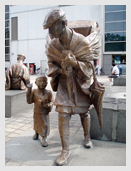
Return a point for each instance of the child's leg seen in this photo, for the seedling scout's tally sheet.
(36, 135)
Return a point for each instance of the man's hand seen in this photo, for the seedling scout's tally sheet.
(70, 60)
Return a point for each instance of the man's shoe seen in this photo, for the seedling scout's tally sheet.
(111, 83)
(44, 142)
(35, 137)
(87, 143)
(62, 159)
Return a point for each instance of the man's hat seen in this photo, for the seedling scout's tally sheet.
(21, 56)
(52, 16)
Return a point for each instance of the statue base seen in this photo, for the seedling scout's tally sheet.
(114, 119)
(15, 102)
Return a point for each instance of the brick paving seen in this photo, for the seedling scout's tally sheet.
(23, 122)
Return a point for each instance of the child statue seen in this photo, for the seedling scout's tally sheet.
(43, 101)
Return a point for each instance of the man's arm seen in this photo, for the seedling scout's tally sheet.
(8, 81)
(26, 77)
(113, 71)
(29, 94)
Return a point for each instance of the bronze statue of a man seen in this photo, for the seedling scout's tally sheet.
(69, 55)
(17, 75)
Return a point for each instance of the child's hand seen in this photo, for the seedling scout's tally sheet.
(29, 89)
(30, 85)
(46, 105)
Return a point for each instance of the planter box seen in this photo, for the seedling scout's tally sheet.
(15, 102)
(114, 121)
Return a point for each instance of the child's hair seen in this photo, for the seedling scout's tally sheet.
(42, 76)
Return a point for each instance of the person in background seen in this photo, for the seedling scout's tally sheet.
(115, 73)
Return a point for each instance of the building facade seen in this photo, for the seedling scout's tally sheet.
(114, 44)
(26, 34)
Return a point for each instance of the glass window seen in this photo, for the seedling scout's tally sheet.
(7, 23)
(7, 57)
(6, 8)
(117, 36)
(7, 33)
(123, 59)
(14, 28)
(6, 16)
(121, 46)
(6, 42)
(115, 7)
(115, 26)
(7, 50)
(119, 59)
(115, 16)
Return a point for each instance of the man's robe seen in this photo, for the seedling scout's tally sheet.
(85, 49)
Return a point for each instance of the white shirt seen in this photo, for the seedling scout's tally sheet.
(116, 70)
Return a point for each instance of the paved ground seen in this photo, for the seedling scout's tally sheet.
(21, 150)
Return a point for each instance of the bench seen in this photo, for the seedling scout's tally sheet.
(120, 81)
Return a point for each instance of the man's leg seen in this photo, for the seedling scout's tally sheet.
(110, 78)
(85, 121)
(36, 135)
(64, 135)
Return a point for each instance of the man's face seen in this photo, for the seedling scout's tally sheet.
(56, 29)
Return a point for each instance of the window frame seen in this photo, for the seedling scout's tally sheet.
(104, 32)
(116, 33)
(12, 38)
(115, 12)
(8, 27)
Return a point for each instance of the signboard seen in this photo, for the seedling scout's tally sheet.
(31, 68)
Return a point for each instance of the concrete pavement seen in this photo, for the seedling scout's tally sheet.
(22, 150)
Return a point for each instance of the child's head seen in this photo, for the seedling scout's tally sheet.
(41, 81)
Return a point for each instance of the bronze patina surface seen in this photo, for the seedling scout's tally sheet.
(42, 99)
(70, 59)
(17, 75)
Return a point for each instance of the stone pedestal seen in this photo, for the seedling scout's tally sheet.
(114, 120)
(15, 102)
(120, 81)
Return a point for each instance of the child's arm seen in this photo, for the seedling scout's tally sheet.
(29, 94)
(50, 100)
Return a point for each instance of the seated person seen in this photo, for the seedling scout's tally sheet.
(115, 73)
(17, 75)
